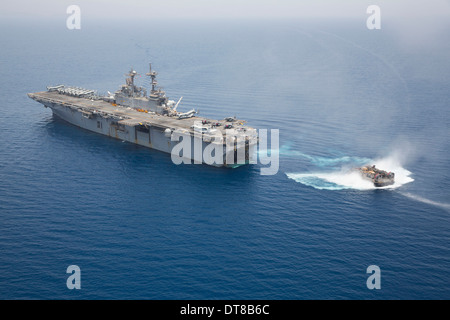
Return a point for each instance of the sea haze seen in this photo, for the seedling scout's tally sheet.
(140, 227)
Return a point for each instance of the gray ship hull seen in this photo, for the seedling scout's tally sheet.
(150, 136)
(153, 139)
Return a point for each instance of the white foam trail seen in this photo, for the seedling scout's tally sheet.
(425, 200)
(286, 150)
(348, 179)
(333, 180)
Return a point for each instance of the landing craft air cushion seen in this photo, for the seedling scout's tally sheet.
(380, 178)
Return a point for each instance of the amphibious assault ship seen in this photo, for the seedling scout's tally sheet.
(152, 120)
(380, 178)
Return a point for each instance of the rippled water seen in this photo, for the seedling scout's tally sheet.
(139, 226)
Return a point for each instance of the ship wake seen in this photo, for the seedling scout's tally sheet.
(414, 197)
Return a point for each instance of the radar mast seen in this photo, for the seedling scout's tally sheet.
(152, 74)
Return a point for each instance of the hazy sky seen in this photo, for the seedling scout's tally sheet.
(196, 9)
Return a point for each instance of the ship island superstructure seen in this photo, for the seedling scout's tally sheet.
(150, 119)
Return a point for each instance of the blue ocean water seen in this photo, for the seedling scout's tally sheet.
(140, 227)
